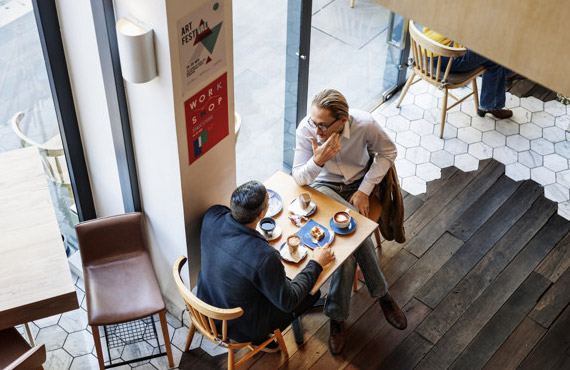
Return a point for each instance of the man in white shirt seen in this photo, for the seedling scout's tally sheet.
(332, 155)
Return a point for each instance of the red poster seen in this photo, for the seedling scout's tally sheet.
(207, 117)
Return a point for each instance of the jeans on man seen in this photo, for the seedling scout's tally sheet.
(337, 304)
(493, 88)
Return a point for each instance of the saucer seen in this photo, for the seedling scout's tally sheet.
(275, 203)
(276, 232)
(345, 230)
(301, 253)
(305, 234)
(295, 208)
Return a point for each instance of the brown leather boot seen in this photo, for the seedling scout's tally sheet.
(498, 113)
(336, 338)
(392, 312)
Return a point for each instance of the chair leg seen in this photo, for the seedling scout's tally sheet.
(231, 359)
(405, 89)
(191, 333)
(355, 282)
(281, 341)
(475, 95)
(164, 326)
(29, 333)
(443, 112)
(352, 3)
(377, 236)
(98, 349)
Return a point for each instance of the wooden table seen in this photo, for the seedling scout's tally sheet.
(35, 279)
(343, 245)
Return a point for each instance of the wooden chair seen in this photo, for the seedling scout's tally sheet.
(53, 156)
(203, 315)
(17, 354)
(423, 48)
(120, 282)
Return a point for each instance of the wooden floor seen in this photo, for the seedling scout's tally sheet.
(483, 279)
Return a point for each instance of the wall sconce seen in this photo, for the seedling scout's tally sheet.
(136, 51)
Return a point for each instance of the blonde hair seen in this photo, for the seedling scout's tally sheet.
(333, 101)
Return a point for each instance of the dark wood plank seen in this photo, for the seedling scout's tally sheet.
(552, 351)
(503, 323)
(553, 302)
(398, 266)
(407, 355)
(411, 205)
(517, 346)
(557, 261)
(435, 185)
(454, 341)
(382, 344)
(437, 225)
(486, 270)
(483, 208)
(476, 247)
(521, 87)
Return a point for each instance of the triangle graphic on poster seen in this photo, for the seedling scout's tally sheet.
(208, 60)
(209, 41)
(202, 35)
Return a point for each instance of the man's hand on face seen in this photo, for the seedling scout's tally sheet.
(360, 201)
(323, 255)
(331, 147)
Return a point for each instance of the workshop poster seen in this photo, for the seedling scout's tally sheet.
(207, 117)
(202, 44)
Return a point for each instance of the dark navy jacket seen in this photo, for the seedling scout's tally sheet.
(240, 269)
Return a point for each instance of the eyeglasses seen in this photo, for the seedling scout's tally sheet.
(320, 126)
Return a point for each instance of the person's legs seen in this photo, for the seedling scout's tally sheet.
(281, 320)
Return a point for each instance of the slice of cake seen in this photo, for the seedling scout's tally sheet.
(317, 233)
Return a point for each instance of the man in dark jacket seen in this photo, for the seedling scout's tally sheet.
(240, 269)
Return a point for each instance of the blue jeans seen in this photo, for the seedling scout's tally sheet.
(337, 305)
(493, 89)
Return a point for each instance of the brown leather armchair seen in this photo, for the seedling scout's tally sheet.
(120, 282)
(16, 353)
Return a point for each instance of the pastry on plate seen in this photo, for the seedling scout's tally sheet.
(317, 233)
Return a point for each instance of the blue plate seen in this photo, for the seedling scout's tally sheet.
(346, 230)
(275, 203)
(305, 234)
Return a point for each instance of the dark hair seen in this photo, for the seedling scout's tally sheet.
(247, 202)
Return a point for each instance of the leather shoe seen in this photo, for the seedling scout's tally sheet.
(498, 113)
(336, 338)
(392, 312)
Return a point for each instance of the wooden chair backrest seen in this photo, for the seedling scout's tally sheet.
(203, 314)
(423, 48)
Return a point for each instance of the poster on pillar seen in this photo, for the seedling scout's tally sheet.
(201, 45)
(207, 117)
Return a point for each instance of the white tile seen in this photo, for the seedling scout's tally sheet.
(542, 175)
(520, 115)
(469, 135)
(428, 171)
(408, 99)
(458, 119)
(79, 343)
(401, 151)
(449, 131)
(480, 151)
(563, 148)
(442, 159)
(86, 362)
(414, 185)
(554, 134)
(542, 146)
(405, 168)
(555, 108)
(419, 88)
(425, 101)
(531, 131)
(432, 143)
(518, 143)
(421, 127)
(562, 122)
(52, 336)
(433, 115)
(407, 139)
(379, 117)
(412, 112)
(48, 321)
(505, 155)
(517, 171)
(556, 193)
(532, 104)
(73, 320)
(466, 162)
(564, 210)
(494, 139)
(530, 159)
(57, 360)
(397, 123)
(512, 101)
(563, 178)
(468, 107)
(417, 155)
(455, 146)
(507, 127)
(483, 123)
(542, 119)
(555, 162)
(389, 110)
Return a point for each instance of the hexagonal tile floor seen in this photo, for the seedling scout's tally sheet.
(533, 144)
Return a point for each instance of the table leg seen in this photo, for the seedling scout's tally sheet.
(298, 330)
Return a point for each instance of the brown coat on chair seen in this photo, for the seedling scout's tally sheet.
(391, 220)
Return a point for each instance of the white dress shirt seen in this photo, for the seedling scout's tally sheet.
(361, 132)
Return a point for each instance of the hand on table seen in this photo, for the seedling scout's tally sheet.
(323, 255)
(361, 202)
(331, 147)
